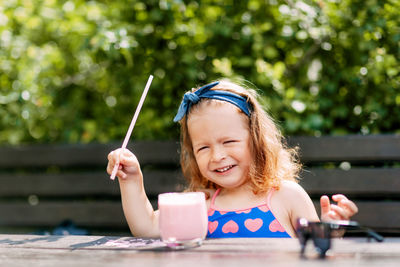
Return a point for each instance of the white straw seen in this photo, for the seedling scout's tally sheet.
(132, 125)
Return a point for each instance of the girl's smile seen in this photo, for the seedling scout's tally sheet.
(220, 137)
(224, 170)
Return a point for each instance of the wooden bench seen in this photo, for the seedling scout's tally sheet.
(43, 185)
(364, 168)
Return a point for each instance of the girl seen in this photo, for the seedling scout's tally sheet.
(232, 150)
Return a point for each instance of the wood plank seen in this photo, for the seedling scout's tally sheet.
(67, 155)
(317, 149)
(367, 182)
(50, 214)
(379, 215)
(84, 184)
(352, 148)
(161, 181)
(156, 152)
(357, 181)
(57, 185)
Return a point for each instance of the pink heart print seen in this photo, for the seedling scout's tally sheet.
(243, 211)
(263, 208)
(212, 226)
(253, 225)
(275, 226)
(230, 227)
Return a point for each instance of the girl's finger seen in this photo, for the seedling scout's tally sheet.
(121, 174)
(113, 156)
(342, 214)
(348, 205)
(129, 160)
(109, 171)
(330, 216)
(339, 197)
(110, 156)
(110, 167)
(127, 153)
(325, 205)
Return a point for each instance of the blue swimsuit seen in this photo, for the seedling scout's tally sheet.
(253, 222)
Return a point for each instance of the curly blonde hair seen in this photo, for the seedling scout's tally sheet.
(273, 160)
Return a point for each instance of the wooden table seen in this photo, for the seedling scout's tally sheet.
(35, 250)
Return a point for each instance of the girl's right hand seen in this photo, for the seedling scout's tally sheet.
(128, 164)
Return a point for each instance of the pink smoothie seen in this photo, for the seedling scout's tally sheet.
(183, 216)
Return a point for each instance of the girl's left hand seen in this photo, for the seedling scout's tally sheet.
(343, 210)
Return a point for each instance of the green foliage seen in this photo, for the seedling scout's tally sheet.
(73, 71)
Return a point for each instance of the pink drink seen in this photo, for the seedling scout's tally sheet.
(183, 216)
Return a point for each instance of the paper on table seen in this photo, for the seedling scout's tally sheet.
(132, 125)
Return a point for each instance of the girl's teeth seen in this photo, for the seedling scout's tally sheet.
(224, 169)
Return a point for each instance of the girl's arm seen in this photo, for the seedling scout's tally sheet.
(139, 214)
(301, 205)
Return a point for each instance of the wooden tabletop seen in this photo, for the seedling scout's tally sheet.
(36, 250)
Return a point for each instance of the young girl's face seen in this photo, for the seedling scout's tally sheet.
(221, 143)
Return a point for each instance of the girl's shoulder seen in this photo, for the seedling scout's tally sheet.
(290, 187)
(296, 201)
(290, 190)
(291, 202)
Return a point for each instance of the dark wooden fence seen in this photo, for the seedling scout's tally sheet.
(43, 185)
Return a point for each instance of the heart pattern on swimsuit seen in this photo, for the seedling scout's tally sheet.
(263, 208)
(253, 225)
(212, 226)
(243, 211)
(230, 227)
(275, 226)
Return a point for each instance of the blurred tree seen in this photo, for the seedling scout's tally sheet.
(73, 71)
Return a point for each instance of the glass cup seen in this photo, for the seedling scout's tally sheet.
(183, 217)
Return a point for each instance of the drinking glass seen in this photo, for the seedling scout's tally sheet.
(183, 217)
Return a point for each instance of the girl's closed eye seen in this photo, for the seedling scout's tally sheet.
(202, 148)
(230, 142)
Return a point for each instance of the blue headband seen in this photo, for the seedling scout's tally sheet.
(190, 99)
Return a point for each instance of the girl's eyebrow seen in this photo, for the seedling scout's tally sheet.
(200, 143)
(198, 148)
(229, 137)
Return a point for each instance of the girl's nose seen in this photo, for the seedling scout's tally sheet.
(218, 154)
